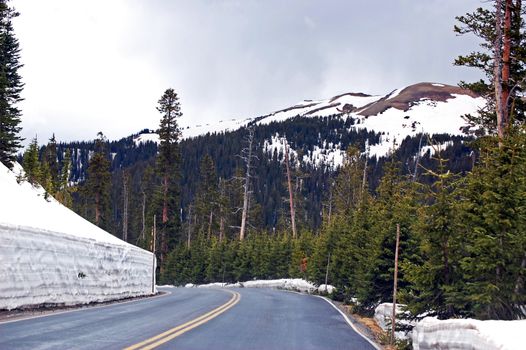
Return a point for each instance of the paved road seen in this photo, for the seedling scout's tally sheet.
(192, 319)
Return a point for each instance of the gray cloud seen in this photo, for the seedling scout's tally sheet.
(104, 65)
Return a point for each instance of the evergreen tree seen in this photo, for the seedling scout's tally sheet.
(168, 169)
(206, 199)
(50, 159)
(64, 191)
(98, 183)
(433, 280)
(31, 163)
(10, 87)
(493, 226)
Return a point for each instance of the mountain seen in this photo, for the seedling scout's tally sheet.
(410, 124)
(429, 108)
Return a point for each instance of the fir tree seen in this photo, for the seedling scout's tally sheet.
(10, 87)
(31, 163)
(432, 281)
(168, 169)
(50, 159)
(98, 183)
(206, 199)
(492, 223)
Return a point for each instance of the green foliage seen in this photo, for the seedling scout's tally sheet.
(31, 163)
(10, 87)
(97, 185)
(492, 213)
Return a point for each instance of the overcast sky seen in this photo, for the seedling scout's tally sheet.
(102, 65)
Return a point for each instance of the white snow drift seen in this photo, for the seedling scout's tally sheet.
(50, 255)
(295, 284)
(431, 333)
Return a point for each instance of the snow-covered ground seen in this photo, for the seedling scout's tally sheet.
(50, 255)
(468, 334)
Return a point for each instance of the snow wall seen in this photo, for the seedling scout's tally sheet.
(51, 255)
(42, 267)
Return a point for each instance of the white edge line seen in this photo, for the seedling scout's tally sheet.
(376, 346)
(83, 307)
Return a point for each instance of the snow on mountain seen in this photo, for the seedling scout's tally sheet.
(49, 254)
(431, 108)
(328, 153)
(189, 131)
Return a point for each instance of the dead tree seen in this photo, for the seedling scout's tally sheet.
(291, 197)
(246, 155)
(125, 193)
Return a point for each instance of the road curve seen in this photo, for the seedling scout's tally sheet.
(192, 318)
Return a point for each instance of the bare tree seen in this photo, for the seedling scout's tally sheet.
(125, 194)
(291, 197)
(246, 155)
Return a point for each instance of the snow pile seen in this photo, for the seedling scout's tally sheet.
(326, 289)
(50, 255)
(296, 284)
(431, 333)
(383, 314)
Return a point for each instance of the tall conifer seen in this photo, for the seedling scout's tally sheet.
(10, 87)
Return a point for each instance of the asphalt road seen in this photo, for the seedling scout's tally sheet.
(192, 318)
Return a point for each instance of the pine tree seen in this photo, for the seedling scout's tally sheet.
(98, 183)
(10, 87)
(64, 191)
(432, 281)
(168, 170)
(50, 159)
(31, 163)
(206, 198)
(492, 211)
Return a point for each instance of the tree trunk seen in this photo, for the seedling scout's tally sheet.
(143, 231)
(165, 199)
(97, 209)
(246, 185)
(506, 60)
(291, 198)
(125, 190)
(210, 218)
(189, 234)
(497, 63)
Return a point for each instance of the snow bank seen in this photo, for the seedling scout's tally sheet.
(383, 314)
(50, 255)
(326, 289)
(295, 284)
(431, 333)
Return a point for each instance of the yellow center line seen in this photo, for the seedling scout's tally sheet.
(170, 334)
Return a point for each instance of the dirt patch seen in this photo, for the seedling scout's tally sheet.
(412, 94)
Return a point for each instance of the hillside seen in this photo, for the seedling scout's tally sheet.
(317, 132)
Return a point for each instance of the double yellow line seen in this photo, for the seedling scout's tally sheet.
(170, 334)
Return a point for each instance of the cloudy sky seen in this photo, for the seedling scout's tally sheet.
(102, 65)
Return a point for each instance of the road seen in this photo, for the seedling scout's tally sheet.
(192, 318)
